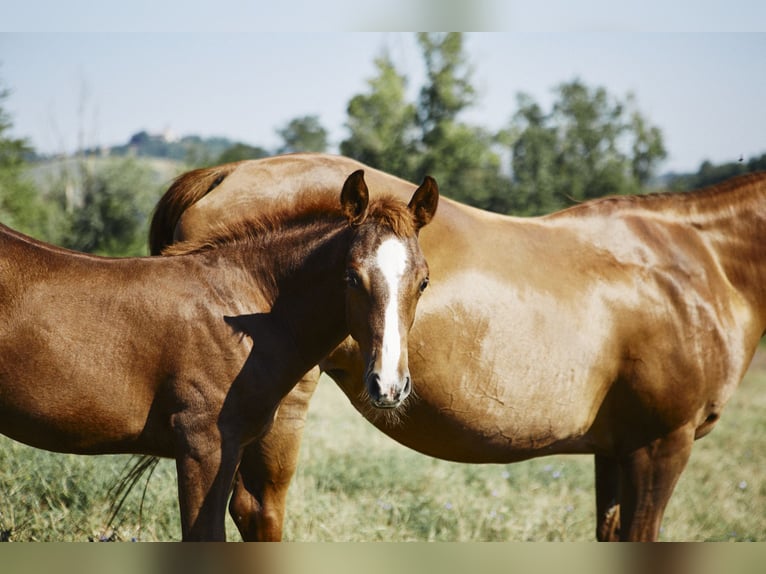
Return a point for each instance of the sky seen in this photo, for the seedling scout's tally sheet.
(90, 84)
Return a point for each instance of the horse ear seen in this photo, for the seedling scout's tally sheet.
(354, 198)
(424, 201)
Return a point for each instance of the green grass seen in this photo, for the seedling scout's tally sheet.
(355, 484)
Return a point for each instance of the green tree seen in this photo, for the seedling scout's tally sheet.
(710, 174)
(303, 134)
(647, 147)
(461, 157)
(412, 140)
(240, 151)
(448, 90)
(591, 144)
(20, 204)
(533, 159)
(382, 124)
(108, 206)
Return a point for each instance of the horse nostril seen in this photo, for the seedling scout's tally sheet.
(403, 392)
(373, 386)
(390, 397)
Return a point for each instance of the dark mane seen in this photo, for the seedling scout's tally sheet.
(733, 192)
(186, 189)
(307, 209)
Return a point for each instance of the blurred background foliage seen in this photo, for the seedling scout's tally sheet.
(588, 143)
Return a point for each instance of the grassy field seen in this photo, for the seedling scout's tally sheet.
(355, 484)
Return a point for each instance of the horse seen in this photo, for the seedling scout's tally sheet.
(188, 356)
(619, 327)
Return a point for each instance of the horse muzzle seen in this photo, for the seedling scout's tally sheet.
(387, 395)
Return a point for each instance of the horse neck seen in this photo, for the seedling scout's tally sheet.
(732, 217)
(300, 271)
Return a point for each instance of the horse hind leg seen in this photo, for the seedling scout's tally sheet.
(648, 476)
(607, 499)
(257, 504)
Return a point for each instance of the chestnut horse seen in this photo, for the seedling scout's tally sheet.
(619, 327)
(189, 356)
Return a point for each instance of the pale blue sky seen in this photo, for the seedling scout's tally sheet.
(381, 15)
(706, 91)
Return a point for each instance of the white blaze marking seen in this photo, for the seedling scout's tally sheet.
(392, 261)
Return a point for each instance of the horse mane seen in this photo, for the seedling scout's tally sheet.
(186, 190)
(735, 192)
(307, 209)
(394, 214)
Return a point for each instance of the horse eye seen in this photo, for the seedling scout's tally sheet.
(352, 279)
(424, 284)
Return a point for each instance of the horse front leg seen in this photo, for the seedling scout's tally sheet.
(205, 466)
(203, 488)
(258, 502)
(649, 475)
(607, 499)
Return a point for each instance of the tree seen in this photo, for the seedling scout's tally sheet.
(20, 203)
(461, 157)
(467, 168)
(240, 151)
(427, 138)
(382, 124)
(533, 158)
(710, 174)
(448, 89)
(109, 210)
(589, 145)
(648, 147)
(303, 134)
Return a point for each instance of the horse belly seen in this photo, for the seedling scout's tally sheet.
(67, 402)
(73, 422)
(501, 377)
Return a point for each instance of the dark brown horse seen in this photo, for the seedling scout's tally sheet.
(189, 356)
(619, 327)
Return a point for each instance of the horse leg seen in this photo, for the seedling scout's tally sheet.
(649, 475)
(607, 499)
(204, 483)
(257, 504)
(206, 460)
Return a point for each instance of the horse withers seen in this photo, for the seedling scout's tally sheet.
(188, 356)
(619, 328)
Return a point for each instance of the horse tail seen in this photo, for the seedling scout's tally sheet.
(136, 467)
(186, 190)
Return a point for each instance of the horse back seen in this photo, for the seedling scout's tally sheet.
(92, 350)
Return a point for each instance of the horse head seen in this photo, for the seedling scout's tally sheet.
(385, 275)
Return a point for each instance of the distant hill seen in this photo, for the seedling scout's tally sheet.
(168, 155)
(190, 149)
(45, 173)
(165, 155)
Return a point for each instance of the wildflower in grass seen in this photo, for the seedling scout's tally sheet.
(448, 505)
(742, 485)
